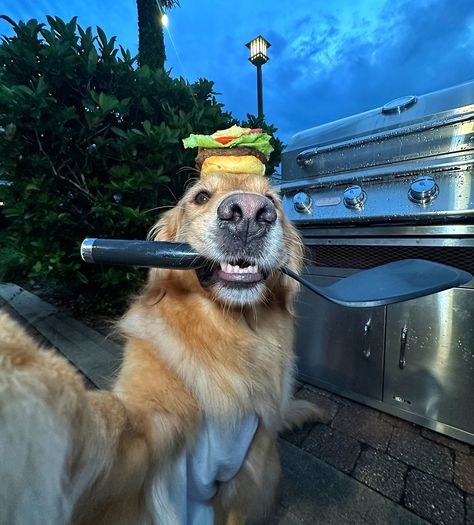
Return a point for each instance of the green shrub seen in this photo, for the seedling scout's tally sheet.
(92, 147)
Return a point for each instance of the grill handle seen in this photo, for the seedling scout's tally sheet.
(403, 346)
(305, 158)
(366, 346)
(151, 254)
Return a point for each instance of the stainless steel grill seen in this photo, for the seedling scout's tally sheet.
(392, 183)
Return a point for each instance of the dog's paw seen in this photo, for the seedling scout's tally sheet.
(299, 412)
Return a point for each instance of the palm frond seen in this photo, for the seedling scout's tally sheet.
(169, 4)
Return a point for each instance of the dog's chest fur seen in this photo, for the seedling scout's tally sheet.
(219, 370)
(229, 363)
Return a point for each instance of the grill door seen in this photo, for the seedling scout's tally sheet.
(339, 348)
(429, 367)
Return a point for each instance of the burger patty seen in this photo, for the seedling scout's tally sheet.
(204, 153)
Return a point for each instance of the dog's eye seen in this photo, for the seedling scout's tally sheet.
(202, 197)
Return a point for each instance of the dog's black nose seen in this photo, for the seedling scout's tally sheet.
(247, 215)
(247, 206)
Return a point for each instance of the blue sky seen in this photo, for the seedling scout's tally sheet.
(328, 59)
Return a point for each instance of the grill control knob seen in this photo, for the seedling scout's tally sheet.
(302, 202)
(354, 197)
(423, 190)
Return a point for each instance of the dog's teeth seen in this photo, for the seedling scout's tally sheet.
(235, 268)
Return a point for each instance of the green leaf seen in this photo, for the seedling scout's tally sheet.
(102, 36)
(92, 59)
(10, 131)
(147, 126)
(82, 278)
(119, 132)
(107, 102)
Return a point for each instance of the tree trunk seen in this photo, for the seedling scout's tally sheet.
(151, 42)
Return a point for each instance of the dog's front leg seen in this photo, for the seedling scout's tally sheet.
(249, 497)
(69, 455)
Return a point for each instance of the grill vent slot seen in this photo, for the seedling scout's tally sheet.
(362, 257)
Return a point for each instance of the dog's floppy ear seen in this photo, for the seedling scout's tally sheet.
(295, 249)
(167, 228)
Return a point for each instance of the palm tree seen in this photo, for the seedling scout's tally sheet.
(151, 43)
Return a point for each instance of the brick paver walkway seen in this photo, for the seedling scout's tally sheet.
(428, 473)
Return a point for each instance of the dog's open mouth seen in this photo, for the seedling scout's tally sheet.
(239, 273)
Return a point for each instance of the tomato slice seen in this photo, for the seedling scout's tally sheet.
(224, 140)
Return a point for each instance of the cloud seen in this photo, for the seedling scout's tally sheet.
(341, 69)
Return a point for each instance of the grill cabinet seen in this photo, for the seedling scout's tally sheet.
(392, 183)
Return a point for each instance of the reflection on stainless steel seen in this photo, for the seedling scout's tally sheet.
(450, 197)
(392, 183)
(411, 142)
(346, 364)
(438, 375)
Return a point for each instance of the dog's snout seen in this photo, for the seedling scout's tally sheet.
(247, 207)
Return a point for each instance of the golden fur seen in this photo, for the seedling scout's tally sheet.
(75, 456)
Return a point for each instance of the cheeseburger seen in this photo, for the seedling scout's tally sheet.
(232, 150)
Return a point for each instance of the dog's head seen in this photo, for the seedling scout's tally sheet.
(237, 224)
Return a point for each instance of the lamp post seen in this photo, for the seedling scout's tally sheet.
(258, 56)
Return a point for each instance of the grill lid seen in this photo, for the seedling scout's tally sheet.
(405, 129)
(446, 102)
(411, 159)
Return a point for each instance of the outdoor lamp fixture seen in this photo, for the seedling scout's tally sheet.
(258, 56)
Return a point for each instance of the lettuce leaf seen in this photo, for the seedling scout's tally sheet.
(260, 141)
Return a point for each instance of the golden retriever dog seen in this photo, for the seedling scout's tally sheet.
(188, 434)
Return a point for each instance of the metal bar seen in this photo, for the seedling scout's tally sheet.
(438, 231)
(357, 241)
(259, 91)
